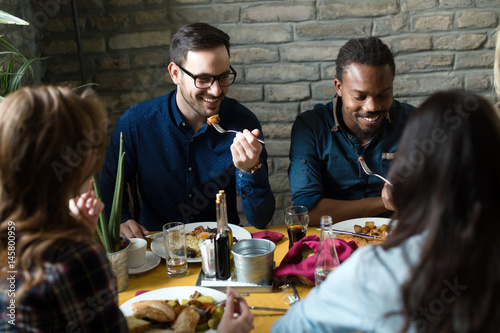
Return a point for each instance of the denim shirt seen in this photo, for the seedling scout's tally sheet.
(324, 154)
(179, 172)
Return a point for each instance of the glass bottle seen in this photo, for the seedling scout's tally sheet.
(327, 258)
(229, 232)
(222, 243)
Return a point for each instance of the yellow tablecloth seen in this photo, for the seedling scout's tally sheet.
(157, 278)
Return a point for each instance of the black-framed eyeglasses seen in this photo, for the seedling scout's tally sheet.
(206, 81)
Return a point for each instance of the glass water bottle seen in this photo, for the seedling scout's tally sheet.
(222, 243)
(327, 258)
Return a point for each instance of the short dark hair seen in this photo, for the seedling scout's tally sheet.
(196, 36)
(369, 51)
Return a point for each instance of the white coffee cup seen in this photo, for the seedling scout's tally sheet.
(137, 252)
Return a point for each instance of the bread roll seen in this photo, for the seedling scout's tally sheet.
(136, 325)
(186, 321)
(159, 311)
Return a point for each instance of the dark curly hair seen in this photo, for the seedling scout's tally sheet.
(369, 51)
(196, 36)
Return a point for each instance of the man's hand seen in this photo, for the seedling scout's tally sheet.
(243, 322)
(246, 150)
(132, 229)
(86, 208)
(387, 197)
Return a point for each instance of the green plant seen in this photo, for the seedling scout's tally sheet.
(109, 233)
(13, 64)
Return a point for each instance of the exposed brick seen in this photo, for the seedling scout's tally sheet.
(287, 92)
(267, 112)
(281, 163)
(332, 30)
(120, 62)
(150, 16)
(139, 40)
(155, 2)
(328, 71)
(312, 51)
(359, 8)
(435, 22)
(277, 147)
(459, 41)
(485, 3)
(88, 4)
(115, 82)
(64, 67)
(135, 96)
(280, 181)
(109, 21)
(282, 73)
(60, 47)
(149, 59)
(409, 43)
(423, 62)
(254, 55)
(455, 3)
(93, 45)
(124, 3)
(277, 130)
(479, 82)
(411, 5)
(476, 19)
(208, 14)
(323, 90)
(244, 93)
(408, 85)
(63, 24)
(149, 79)
(474, 60)
(393, 24)
(278, 13)
(249, 35)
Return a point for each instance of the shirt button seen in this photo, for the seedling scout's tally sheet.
(191, 218)
(303, 161)
(183, 124)
(190, 195)
(242, 195)
(190, 169)
(191, 140)
(363, 180)
(239, 174)
(349, 136)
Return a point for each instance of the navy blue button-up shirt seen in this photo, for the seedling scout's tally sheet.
(179, 172)
(324, 154)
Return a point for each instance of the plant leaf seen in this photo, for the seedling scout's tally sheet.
(7, 18)
(116, 207)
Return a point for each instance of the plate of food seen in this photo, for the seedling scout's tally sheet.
(372, 226)
(192, 240)
(164, 310)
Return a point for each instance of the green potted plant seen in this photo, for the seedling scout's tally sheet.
(13, 64)
(109, 230)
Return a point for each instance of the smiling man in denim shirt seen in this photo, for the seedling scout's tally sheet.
(362, 120)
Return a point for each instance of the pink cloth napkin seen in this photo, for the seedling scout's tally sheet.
(270, 235)
(137, 293)
(293, 264)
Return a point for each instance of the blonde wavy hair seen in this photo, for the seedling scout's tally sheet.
(496, 66)
(51, 142)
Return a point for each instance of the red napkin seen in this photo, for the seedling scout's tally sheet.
(270, 235)
(294, 263)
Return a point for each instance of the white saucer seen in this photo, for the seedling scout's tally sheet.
(152, 260)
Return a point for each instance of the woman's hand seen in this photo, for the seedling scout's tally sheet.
(86, 208)
(243, 322)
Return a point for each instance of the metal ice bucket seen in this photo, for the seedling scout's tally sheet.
(254, 260)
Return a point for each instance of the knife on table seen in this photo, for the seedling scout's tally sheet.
(354, 234)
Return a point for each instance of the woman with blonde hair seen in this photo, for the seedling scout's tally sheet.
(54, 276)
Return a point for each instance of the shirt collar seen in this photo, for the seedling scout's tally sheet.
(337, 112)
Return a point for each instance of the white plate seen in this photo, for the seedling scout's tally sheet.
(238, 232)
(152, 260)
(171, 294)
(348, 225)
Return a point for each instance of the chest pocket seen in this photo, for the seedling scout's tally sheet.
(386, 162)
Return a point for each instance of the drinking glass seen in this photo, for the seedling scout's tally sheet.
(296, 220)
(174, 241)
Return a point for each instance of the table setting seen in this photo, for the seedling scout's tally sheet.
(292, 271)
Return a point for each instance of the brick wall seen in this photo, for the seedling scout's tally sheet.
(284, 52)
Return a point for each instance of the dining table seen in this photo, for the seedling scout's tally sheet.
(157, 278)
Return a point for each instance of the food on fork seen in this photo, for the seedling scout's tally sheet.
(213, 119)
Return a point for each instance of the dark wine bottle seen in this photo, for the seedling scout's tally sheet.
(222, 243)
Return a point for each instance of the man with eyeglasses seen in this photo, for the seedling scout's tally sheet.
(179, 160)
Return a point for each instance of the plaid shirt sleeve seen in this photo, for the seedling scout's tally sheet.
(78, 294)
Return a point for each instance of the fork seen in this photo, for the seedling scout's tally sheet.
(202, 312)
(367, 170)
(221, 130)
